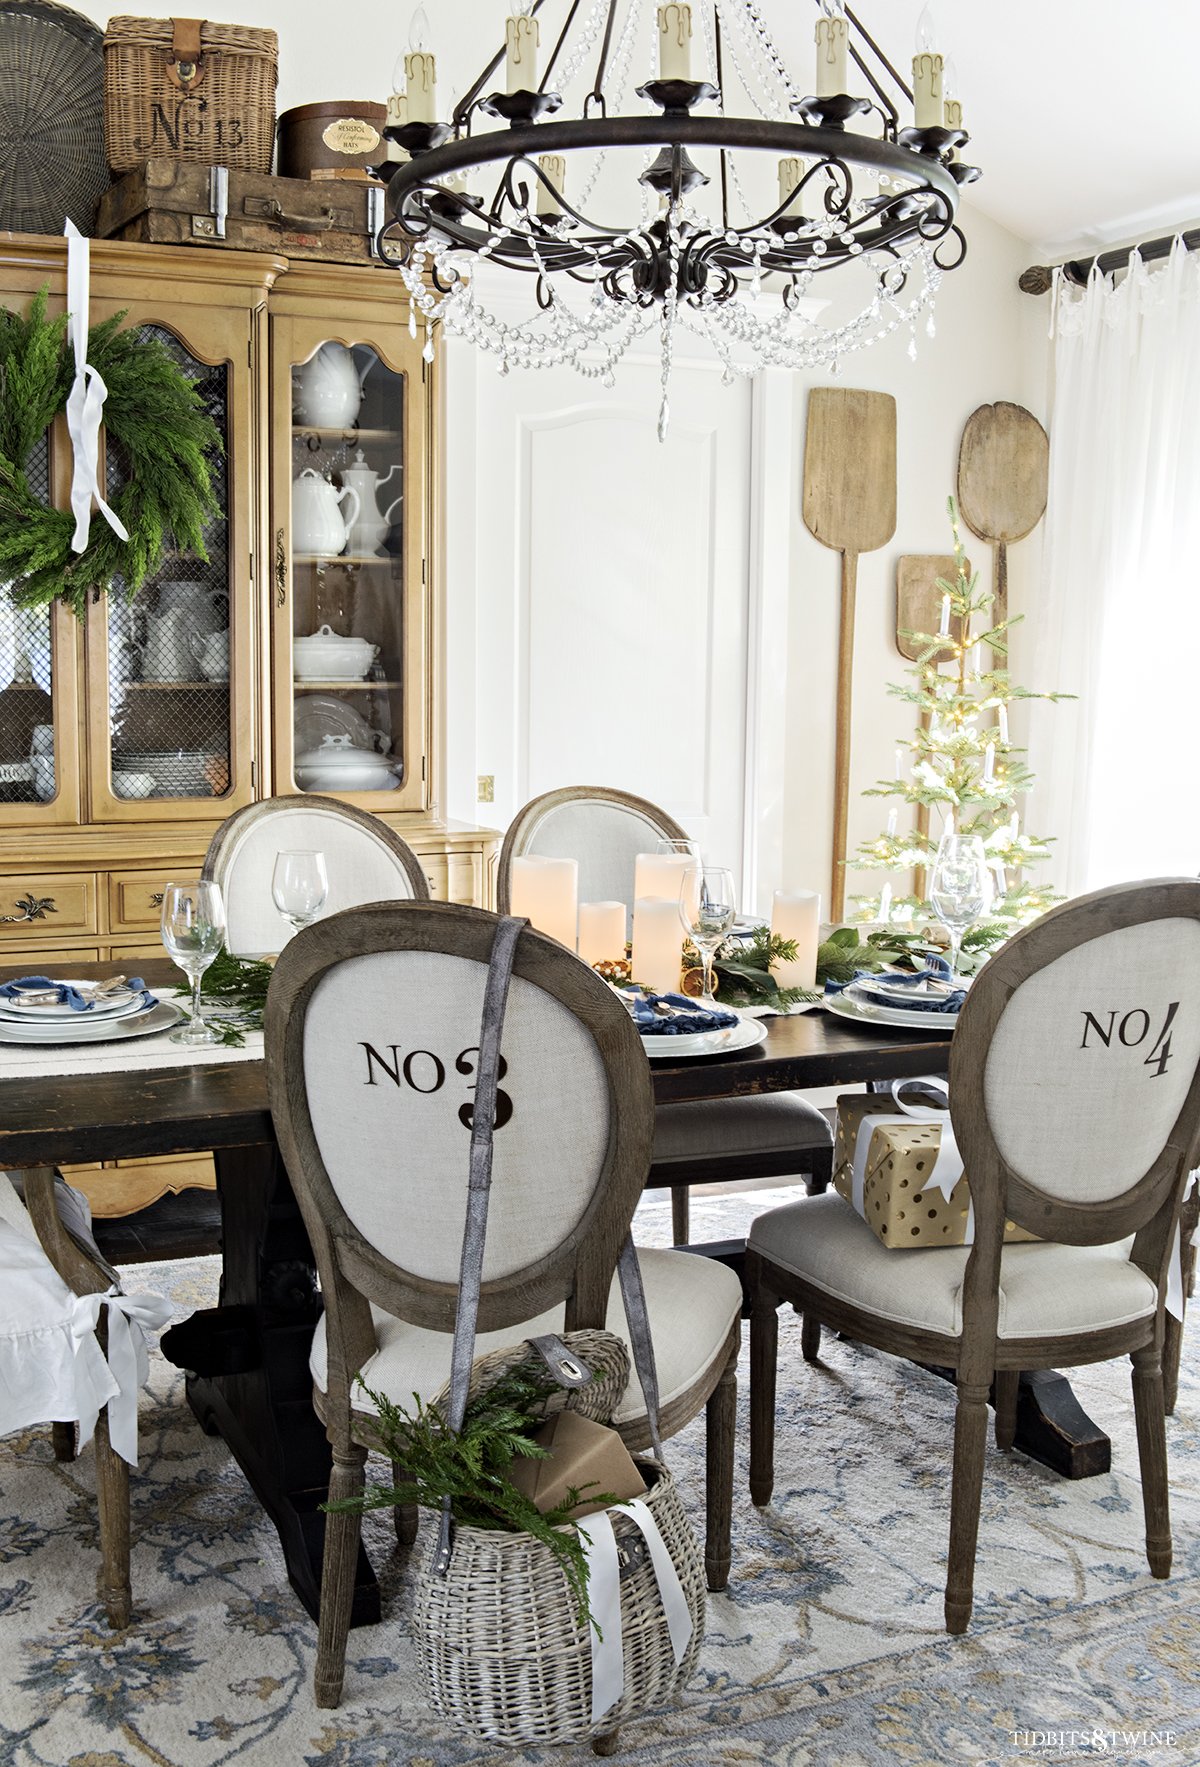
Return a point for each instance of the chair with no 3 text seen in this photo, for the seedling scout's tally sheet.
(372, 1033)
(709, 1141)
(1075, 1103)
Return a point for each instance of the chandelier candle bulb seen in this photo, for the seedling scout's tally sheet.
(675, 41)
(601, 931)
(554, 167)
(790, 173)
(927, 76)
(522, 35)
(420, 72)
(546, 892)
(657, 944)
(664, 874)
(833, 40)
(796, 914)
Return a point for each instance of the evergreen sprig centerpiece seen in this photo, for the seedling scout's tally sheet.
(964, 767)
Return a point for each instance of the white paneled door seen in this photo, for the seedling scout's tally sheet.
(612, 590)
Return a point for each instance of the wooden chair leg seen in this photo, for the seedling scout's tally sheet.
(810, 1337)
(970, 1442)
(405, 1515)
(720, 1431)
(1152, 1453)
(65, 1439)
(680, 1215)
(112, 1497)
(764, 1348)
(1171, 1354)
(1005, 1389)
(820, 1174)
(337, 1574)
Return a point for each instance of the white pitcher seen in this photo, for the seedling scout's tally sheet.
(372, 524)
(327, 390)
(317, 524)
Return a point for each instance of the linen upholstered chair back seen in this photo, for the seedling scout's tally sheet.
(604, 829)
(364, 859)
(372, 1033)
(1075, 1078)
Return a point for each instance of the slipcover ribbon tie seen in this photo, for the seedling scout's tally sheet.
(85, 406)
(128, 1360)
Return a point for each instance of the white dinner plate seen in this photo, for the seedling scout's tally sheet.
(146, 1023)
(114, 1006)
(870, 1012)
(891, 988)
(744, 1035)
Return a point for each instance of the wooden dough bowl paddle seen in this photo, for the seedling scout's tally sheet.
(849, 505)
(1003, 473)
(919, 609)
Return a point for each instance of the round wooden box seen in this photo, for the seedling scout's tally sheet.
(339, 135)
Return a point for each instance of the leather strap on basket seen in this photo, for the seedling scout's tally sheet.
(185, 62)
(483, 1118)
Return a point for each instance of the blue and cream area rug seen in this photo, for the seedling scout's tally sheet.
(827, 1650)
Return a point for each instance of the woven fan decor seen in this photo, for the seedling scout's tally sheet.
(52, 161)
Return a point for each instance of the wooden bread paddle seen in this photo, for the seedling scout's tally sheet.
(849, 505)
(1003, 473)
(919, 609)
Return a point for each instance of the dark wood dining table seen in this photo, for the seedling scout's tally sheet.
(248, 1374)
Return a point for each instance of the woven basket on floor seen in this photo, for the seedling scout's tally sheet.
(503, 1653)
(188, 89)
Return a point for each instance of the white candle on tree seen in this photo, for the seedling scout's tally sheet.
(521, 38)
(944, 628)
(420, 72)
(833, 43)
(601, 931)
(989, 763)
(1002, 721)
(657, 944)
(885, 904)
(927, 76)
(675, 41)
(546, 892)
(796, 914)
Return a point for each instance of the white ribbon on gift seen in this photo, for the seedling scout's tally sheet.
(604, 1597)
(128, 1359)
(1176, 1298)
(85, 406)
(948, 1166)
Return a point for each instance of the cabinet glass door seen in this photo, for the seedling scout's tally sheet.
(171, 673)
(38, 693)
(349, 657)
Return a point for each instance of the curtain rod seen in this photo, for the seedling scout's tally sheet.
(1038, 278)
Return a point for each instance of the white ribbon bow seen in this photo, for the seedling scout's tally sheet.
(604, 1597)
(85, 406)
(128, 1359)
(947, 1168)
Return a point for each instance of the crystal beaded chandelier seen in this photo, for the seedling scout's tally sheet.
(731, 211)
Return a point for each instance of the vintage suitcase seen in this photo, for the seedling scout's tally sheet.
(166, 202)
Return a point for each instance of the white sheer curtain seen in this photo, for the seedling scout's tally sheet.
(1116, 618)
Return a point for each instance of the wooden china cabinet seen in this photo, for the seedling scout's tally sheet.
(127, 739)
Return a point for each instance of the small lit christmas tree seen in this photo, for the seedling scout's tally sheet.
(963, 766)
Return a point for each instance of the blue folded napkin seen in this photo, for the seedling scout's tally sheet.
(936, 969)
(66, 995)
(684, 1017)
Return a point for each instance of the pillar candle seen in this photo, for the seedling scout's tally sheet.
(675, 41)
(663, 874)
(601, 931)
(657, 944)
(833, 39)
(521, 36)
(546, 891)
(796, 914)
(554, 167)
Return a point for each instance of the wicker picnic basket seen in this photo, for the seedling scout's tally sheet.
(502, 1651)
(51, 117)
(189, 89)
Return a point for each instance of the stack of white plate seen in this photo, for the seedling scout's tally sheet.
(871, 1001)
(111, 1019)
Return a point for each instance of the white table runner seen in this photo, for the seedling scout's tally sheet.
(42, 1060)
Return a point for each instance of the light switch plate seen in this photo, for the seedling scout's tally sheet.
(486, 793)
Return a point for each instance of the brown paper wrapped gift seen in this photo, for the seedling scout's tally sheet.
(581, 1453)
(897, 1207)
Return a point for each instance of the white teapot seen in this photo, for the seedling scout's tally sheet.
(327, 390)
(373, 523)
(317, 524)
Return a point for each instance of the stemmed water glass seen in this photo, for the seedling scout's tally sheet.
(707, 907)
(299, 886)
(193, 931)
(960, 887)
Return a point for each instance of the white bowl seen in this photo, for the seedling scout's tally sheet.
(133, 785)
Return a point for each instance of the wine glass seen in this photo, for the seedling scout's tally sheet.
(299, 886)
(707, 906)
(193, 931)
(684, 849)
(960, 887)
